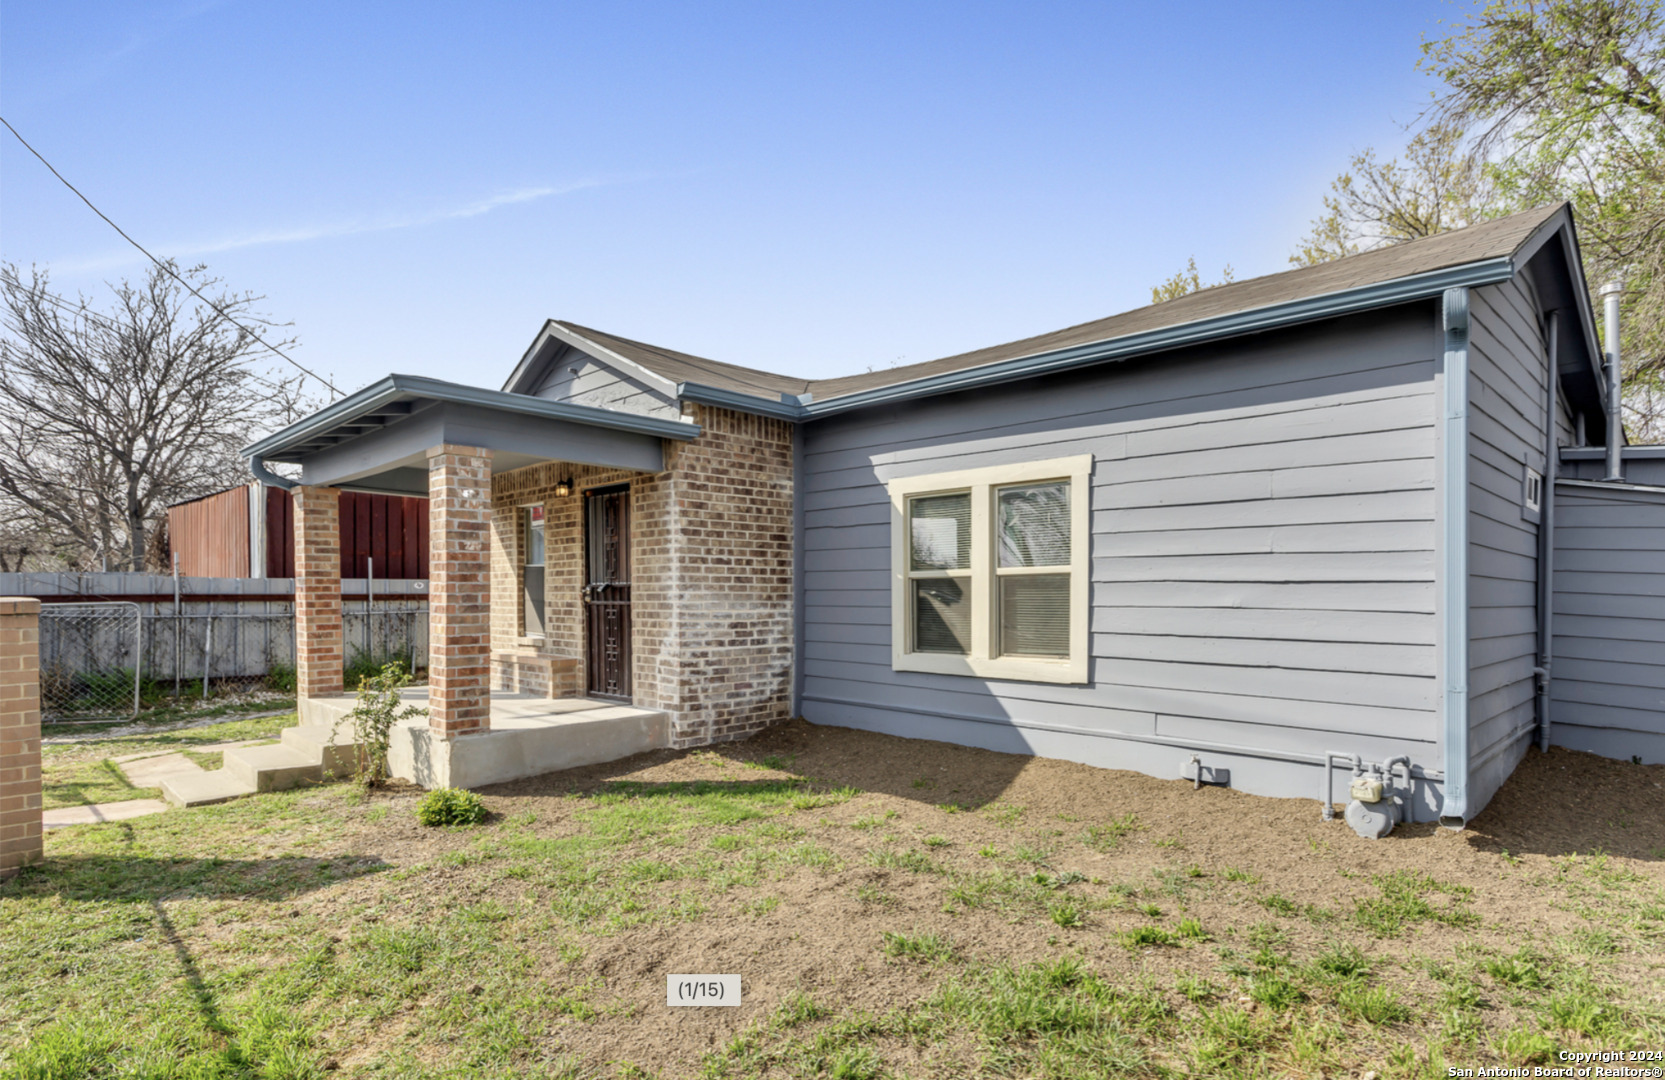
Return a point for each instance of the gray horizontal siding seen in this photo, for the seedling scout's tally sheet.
(597, 383)
(1262, 554)
(1508, 369)
(1608, 690)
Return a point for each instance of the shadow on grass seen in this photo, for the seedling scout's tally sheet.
(107, 783)
(146, 879)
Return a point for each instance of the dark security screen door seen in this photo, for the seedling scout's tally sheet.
(607, 591)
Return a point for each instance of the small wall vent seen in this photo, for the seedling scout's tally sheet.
(1532, 494)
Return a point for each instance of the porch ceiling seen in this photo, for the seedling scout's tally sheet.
(377, 439)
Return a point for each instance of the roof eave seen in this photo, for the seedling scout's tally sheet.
(408, 387)
(702, 394)
(1308, 309)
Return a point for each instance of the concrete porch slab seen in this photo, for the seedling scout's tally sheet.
(529, 736)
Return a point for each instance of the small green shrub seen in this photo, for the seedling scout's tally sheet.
(281, 677)
(450, 806)
(374, 717)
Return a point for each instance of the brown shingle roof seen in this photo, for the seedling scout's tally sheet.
(1488, 240)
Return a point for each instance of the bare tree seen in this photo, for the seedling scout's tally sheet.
(107, 417)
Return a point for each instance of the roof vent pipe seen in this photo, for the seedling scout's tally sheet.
(1615, 418)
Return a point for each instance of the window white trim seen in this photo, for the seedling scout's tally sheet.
(983, 573)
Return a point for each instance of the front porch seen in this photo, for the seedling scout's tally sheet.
(673, 602)
(527, 736)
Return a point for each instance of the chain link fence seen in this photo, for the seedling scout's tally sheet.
(107, 660)
(91, 663)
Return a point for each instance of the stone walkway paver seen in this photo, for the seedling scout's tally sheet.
(110, 811)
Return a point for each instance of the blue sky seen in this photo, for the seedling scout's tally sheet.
(808, 188)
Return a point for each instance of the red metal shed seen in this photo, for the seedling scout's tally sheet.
(251, 528)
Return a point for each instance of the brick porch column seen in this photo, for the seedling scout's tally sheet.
(20, 807)
(459, 590)
(318, 641)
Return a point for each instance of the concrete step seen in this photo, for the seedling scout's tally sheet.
(272, 768)
(333, 748)
(203, 788)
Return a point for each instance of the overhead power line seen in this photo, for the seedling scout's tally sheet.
(164, 267)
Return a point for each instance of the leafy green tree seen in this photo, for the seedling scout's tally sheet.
(1188, 280)
(1565, 99)
(1544, 101)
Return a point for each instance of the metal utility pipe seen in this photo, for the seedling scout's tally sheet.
(1615, 417)
(1546, 533)
(1326, 786)
(176, 626)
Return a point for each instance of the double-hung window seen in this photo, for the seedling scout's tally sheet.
(532, 572)
(989, 571)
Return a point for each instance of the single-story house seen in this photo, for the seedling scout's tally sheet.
(1243, 536)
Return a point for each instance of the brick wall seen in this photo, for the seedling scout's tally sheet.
(732, 600)
(711, 576)
(318, 643)
(459, 590)
(20, 795)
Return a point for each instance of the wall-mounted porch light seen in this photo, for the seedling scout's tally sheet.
(563, 488)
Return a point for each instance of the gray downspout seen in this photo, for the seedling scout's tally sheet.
(1546, 534)
(798, 586)
(1615, 414)
(1453, 570)
(266, 476)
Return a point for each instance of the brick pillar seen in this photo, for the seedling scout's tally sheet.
(459, 590)
(318, 640)
(20, 828)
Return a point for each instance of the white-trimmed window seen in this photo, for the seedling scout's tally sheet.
(989, 571)
(532, 613)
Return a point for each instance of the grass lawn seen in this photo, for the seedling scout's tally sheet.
(83, 772)
(895, 908)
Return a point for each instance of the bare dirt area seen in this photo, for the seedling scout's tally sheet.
(894, 907)
(823, 940)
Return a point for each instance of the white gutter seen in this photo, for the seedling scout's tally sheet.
(1453, 571)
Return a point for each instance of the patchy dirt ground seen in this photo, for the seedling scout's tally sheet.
(880, 874)
(823, 941)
